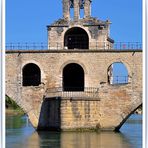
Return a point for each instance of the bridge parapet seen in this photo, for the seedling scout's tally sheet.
(88, 93)
(118, 46)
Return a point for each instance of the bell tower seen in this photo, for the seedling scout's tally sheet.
(76, 5)
(79, 33)
(87, 8)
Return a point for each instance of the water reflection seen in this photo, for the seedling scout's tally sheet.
(79, 140)
(15, 122)
(24, 136)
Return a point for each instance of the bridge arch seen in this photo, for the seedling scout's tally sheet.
(31, 74)
(73, 77)
(117, 128)
(117, 73)
(76, 38)
(124, 61)
(73, 61)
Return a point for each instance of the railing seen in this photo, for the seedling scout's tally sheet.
(88, 93)
(59, 46)
(26, 46)
(118, 79)
(128, 45)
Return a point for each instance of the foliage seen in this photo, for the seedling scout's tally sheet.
(11, 104)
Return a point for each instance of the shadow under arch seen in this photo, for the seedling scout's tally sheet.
(117, 129)
(76, 38)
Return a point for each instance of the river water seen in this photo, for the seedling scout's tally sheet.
(20, 134)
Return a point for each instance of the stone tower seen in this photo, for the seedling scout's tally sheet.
(73, 32)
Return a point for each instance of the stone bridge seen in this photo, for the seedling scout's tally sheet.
(50, 104)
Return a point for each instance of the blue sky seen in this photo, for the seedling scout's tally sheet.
(26, 20)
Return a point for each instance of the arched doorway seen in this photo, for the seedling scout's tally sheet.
(76, 38)
(31, 75)
(73, 77)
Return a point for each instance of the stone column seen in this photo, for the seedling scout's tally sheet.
(76, 10)
(66, 9)
(87, 9)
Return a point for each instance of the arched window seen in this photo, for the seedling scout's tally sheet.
(31, 75)
(73, 77)
(76, 38)
(117, 73)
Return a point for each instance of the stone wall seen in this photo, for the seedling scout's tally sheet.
(107, 113)
(114, 104)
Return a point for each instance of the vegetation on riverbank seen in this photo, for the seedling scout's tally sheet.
(14, 112)
(12, 108)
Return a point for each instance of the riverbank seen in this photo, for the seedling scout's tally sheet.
(10, 112)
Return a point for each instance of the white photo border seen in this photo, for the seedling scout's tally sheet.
(145, 74)
(2, 74)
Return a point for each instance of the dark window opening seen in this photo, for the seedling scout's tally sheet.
(73, 78)
(117, 73)
(76, 38)
(31, 75)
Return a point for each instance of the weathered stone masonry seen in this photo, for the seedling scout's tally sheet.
(114, 102)
(46, 90)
